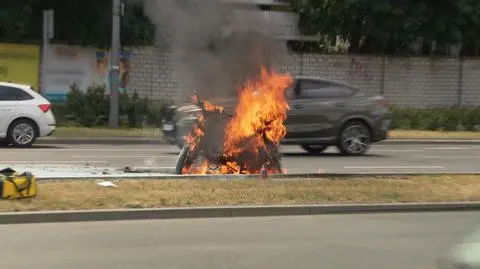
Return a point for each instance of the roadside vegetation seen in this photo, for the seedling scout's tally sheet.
(85, 114)
(436, 119)
(86, 194)
(89, 108)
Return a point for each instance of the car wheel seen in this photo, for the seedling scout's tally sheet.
(181, 160)
(22, 133)
(180, 143)
(354, 139)
(314, 149)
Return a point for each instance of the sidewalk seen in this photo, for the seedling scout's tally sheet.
(101, 140)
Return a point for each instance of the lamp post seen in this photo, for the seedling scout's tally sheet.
(117, 12)
(47, 35)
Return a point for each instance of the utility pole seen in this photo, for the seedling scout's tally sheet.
(47, 34)
(117, 12)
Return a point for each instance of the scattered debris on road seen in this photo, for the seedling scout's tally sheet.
(48, 171)
(106, 184)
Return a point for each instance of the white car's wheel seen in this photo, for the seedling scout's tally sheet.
(22, 133)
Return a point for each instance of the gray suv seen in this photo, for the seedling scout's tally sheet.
(322, 113)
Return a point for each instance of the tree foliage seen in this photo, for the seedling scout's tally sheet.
(79, 22)
(392, 26)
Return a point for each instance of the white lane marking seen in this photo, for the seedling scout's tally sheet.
(448, 148)
(446, 157)
(153, 167)
(127, 156)
(397, 150)
(394, 167)
(48, 162)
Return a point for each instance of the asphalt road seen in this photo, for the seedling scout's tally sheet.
(381, 158)
(397, 241)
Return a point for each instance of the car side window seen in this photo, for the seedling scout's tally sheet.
(13, 94)
(311, 89)
(338, 91)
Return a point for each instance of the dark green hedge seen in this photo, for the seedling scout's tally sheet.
(91, 108)
(436, 119)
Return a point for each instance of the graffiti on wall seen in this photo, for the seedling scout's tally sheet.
(68, 65)
(359, 70)
(102, 66)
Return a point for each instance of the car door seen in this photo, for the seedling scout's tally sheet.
(336, 101)
(305, 117)
(315, 110)
(6, 111)
(10, 100)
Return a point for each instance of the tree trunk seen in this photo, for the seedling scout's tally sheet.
(355, 37)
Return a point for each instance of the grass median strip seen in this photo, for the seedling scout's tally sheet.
(150, 132)
(417, 134)
(106, 132)
(86, 194)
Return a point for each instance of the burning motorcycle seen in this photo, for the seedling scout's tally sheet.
(244, 142)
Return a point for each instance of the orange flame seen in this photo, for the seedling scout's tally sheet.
(258, 118)
(262, 107)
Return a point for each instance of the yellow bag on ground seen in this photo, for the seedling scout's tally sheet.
(15, 186)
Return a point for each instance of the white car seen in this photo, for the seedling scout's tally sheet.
(25, 115)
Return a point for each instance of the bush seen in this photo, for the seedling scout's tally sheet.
(91, 108)
(436, 119)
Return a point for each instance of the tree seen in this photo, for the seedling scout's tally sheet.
(463, 25)
(368, 25)
(391, 26)
(79, 22)
(14, 15)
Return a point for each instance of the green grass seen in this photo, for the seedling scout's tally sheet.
(86, 194)
(412, 134)
(105, 132)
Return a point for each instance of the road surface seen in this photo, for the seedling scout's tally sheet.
(381, 158)
(393, 241)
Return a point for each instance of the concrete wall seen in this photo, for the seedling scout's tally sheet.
(413, 81)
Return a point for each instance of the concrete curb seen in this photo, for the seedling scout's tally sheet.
(159, 141)
(225, 212)
(319, 176)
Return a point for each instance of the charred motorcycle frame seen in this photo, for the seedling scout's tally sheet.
(205, 145)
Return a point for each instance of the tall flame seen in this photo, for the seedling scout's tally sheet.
(262, 107)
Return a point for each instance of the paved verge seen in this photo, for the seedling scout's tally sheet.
(240, 211)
